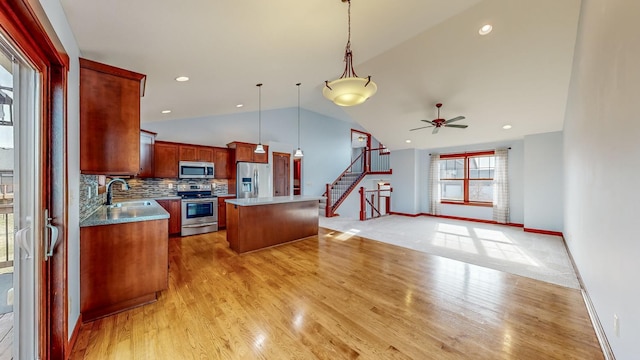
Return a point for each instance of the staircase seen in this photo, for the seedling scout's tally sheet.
(338, 191)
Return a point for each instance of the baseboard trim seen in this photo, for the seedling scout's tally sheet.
(456, 218)
(591, 310)
(73, 338)
(403, 214)
(544, 232)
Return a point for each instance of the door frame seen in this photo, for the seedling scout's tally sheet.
(19, 21)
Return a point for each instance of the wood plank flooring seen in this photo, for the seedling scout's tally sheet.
(333, 296)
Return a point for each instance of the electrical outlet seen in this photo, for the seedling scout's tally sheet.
(89, 193)
(170, 185)
(616, 325)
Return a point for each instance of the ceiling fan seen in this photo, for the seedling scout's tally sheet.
(436, 124)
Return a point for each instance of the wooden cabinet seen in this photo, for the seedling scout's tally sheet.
(205, 154)
(188, 152)
(122, 266)
(222, 211)
(174, 208)
(147, 140)
(166, 161)
(245, 152)
(109, 119)
(196, 153)
(223, 168)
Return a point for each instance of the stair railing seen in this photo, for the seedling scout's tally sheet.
(378, 161)
(371, 202)
(336, 193)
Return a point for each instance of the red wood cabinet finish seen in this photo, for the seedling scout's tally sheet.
(147, 140)
(122, 266)
(222, 211)
(205, 153)
(166, 161)
(174, 208)
(188, 152)
(259, 226)
(109, 119)
(223, 164)
(245, 152)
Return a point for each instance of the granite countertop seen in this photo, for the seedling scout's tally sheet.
(226, 195)
(272, 200)
(105, 215)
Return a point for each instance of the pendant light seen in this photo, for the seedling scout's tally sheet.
(349, 89)
(298, 153)
(259, 149)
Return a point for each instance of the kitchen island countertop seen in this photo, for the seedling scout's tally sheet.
(272, 200)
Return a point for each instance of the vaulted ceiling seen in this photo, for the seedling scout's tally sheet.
(419, 52)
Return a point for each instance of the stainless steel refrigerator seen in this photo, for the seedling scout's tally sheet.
(253, 180)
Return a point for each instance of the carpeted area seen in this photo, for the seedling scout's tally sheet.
(500, 247)
(6, 283)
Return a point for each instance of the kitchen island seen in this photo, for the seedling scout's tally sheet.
(257, 223)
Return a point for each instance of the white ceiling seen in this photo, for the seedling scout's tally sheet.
(419, 52)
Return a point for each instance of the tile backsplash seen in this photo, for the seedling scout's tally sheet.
(89, 202)
(156, 188)
(138, 189)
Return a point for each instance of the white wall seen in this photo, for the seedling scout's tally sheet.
(325, 141)
(543, 182)
(58, 20)
(602, 158)
(405, 181)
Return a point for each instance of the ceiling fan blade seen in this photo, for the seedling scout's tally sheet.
(457, 126)
(424, 127)
(435, 130)
(429, 121)
(457, 118)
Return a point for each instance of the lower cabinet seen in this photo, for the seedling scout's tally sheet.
(174, 208)
(222, 211)
(122, 266)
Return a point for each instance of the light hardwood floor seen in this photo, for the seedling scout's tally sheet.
(339, 297)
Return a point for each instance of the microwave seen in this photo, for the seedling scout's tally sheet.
(196, 170)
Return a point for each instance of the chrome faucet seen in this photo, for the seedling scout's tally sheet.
(109, 194)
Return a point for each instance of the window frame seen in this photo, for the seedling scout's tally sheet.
(466, 156)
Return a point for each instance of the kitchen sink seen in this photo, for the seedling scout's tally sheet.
(130, 204)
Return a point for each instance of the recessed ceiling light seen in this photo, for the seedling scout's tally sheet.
(182, 78)
(507, 127)
(407, 141)
(485, 29)
(239, 105)
(166, 111)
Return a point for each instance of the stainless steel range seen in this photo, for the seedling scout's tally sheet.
(199, 209)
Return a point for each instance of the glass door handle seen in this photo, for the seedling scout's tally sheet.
(21, 239)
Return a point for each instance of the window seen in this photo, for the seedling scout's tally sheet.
(467, 178)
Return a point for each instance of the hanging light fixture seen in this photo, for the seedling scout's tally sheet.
(259, 149)
(298, 152)
(349, 89)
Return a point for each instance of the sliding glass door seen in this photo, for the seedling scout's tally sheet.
(20, 197)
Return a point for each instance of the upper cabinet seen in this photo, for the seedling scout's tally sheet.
(196, 153)
(223, 163)
(166, 158)
(109, 119)
(147, 140)
(245, 152)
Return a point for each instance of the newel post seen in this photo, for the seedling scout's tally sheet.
(327, 209)
(363, 208)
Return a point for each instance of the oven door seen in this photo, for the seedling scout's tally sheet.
(199, 211)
